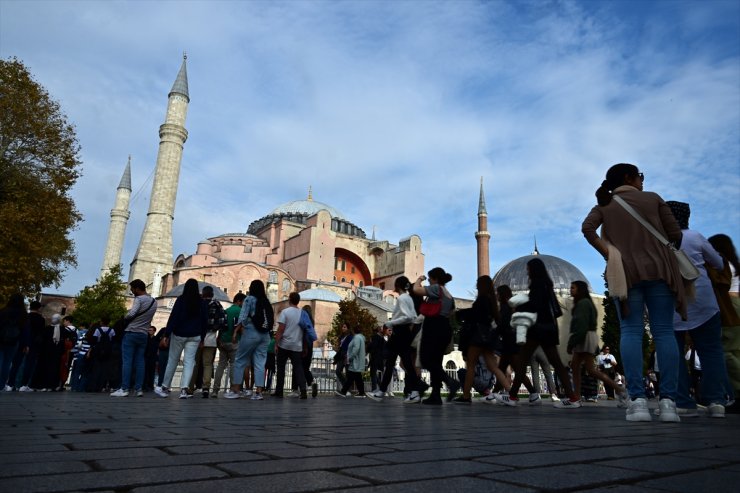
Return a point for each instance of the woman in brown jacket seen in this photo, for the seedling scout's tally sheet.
(651, 279)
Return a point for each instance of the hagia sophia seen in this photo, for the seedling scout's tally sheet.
(304, 245)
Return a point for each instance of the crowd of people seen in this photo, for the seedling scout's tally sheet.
(693, 312)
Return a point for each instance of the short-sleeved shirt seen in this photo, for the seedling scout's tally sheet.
(448, 304)
(292, 339)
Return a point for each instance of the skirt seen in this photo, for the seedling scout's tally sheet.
(589, 345)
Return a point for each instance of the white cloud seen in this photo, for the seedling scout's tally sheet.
(393, 110)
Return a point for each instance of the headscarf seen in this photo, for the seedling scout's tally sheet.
(681, 211)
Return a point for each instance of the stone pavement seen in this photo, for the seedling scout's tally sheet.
(91, 442)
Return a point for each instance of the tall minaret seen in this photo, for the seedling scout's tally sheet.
(118, 219)
(482, 236)
(154, 256)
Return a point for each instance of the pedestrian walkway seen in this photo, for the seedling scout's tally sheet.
(53, 442)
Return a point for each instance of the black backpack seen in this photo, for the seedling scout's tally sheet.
(104, 347)
(263, 318)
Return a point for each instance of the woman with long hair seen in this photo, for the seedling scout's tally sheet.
(436, 331)
(726, 284)
(186, 329)
(583, 342)
(484, 341)
(543, 333)
(399, 344)
(252, 350)
(641, 273)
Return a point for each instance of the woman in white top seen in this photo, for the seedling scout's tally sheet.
(399, 344)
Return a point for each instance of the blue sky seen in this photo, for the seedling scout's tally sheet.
(392, 111)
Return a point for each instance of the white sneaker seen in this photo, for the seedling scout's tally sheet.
(638, 410)
(535, 399)
(295, 394)
(390, 394)
(139, 393)
(413, 398)
(8, 388)
(25, 388)
(716, 410)
(668, 412)
(119, 393)
(184, 394)
(229, 394)
(246, 393)
(554, 398)
(376, 396)
(256, 397)
(161, 391)
(505, 400)
(489, 399)
(339, 394)
(567, 404)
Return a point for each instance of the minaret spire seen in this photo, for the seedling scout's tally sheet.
(482, 236)
(310, 194)
(118, 220)
(154, 256)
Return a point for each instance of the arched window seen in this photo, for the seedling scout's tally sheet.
(451, 365)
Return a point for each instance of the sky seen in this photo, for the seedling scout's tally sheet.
(393, 112)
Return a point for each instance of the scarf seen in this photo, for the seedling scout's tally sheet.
(616, 279)
(57, 334)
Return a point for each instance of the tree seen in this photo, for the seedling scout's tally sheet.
(104, 299)
(610, 330)
(39, 164)
(351, 313)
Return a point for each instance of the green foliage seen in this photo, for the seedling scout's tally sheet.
(106, 297)
(351, 313)
(39, 164)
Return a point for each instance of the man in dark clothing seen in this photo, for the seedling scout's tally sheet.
(377, 356)
(28, 349)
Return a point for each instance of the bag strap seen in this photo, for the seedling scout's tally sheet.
(141, 312)
(642, 221)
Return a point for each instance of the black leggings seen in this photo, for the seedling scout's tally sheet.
(356, 378)
(400, 345)
(435, 336)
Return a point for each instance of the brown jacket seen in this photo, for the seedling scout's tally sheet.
(643, 256)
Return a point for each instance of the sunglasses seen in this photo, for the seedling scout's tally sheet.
(642, 176)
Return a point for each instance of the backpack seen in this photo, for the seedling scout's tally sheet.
(263, 318)
(216, 316)
(104, 346)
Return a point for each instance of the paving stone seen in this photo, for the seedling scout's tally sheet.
(443, 486)
(714, 479)
(667, 463)
(276, 483)
(422, 470)
(81, 455)
(318, 451)
(567, 477)
(305, 464)
(176, 460)
(38, 468)
(723, 454)
(430, 454)
(112, 479)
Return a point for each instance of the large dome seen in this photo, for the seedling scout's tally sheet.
(562, 273)
(307, 208)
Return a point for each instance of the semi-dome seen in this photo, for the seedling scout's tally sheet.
(218, 293)
(318, 294)
(563, 273)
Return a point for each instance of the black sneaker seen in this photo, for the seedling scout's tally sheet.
(454, 387)
(314, 390)
(205, 394)
(432, 401)
(304, 395)
(462, 400)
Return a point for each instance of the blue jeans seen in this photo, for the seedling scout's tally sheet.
(7, 353)
(133, 347)
(252, 351)
(660, 303)
(707, 339)
(78, 380)
(177, 345)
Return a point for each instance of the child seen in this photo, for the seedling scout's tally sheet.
(356, 358)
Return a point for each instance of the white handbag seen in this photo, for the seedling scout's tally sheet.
(685, 265)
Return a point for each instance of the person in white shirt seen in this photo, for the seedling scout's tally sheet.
(608, 364)
(289, 345)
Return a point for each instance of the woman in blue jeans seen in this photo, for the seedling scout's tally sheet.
(641, 273)
(252, 349)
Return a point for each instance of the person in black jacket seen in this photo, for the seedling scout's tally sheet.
(12, 325)
(186, 330)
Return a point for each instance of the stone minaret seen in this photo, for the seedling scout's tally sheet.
(154, 256)
(482, 236)
(118, 219)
